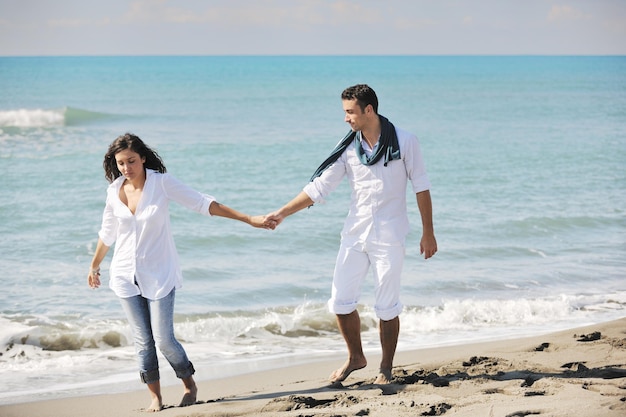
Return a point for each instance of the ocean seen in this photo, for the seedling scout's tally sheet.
(526, 155)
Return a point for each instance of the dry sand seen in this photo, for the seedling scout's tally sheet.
(579, 372)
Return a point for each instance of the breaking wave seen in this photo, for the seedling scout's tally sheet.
(65, 116)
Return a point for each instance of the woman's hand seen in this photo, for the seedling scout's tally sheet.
(94, 278)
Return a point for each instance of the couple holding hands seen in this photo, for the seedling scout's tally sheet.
(379, 161)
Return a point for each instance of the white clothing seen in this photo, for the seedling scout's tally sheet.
(145, 261)
(378, 210)
(351, 269)
(377, 224)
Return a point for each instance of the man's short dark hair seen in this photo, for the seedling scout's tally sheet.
(363, 94)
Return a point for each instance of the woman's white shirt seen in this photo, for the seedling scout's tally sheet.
(145, 260)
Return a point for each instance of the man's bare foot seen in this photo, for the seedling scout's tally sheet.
(190, 396)
(350, 366)
(156, 405)
(384, 377)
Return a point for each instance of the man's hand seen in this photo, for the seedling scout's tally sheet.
(428, 246)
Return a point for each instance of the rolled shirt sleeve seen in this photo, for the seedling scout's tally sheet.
(186, 196)
(108, 228)
(414, 162)
(322, 186)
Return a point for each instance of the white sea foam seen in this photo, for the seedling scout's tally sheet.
(247, 339)
(43, 118)
(32, 118)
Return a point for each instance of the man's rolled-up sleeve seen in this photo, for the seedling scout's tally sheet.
(322, 186)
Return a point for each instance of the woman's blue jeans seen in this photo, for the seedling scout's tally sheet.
(152, 324)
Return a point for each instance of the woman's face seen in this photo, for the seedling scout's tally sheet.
(130, 164)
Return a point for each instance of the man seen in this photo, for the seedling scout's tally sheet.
(378, 160)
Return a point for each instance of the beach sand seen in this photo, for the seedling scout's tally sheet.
(579, 372)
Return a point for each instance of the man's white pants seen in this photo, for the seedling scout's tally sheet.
(351, 268)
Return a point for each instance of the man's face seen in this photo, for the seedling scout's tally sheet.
(355, 117)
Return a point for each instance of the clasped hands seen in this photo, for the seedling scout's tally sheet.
(269, 221)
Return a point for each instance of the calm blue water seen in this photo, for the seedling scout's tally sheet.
(527, 158)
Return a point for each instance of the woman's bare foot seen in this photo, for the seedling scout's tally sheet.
(191, 393)
(157, 400)
(350, 366)
(156, 405)
(384, 377)
(188, 399)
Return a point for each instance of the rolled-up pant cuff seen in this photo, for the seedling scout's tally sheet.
(149, 377)
(185, 373)
(389, 313)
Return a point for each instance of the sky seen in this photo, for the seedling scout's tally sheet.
(312, 27)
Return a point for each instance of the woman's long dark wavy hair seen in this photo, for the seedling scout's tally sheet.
(132, 142)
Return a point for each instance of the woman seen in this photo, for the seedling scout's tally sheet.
(145, 271)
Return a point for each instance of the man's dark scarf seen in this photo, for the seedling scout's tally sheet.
(387, 148)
